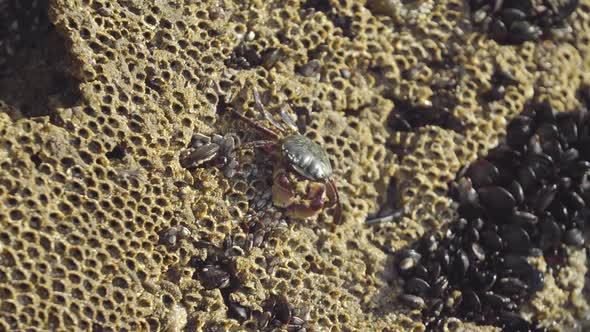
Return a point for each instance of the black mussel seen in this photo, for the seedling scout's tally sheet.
(476, 4)
(434, 268)
(470, 235)
(466, 192)
(552, 148)
(440, 286)
(461, 262)
(547, 132)
(574, 237)
(526, 6)
(523, 217)
(408, 260)
(498, 30)
(535, 280)
(545, 113)
(579, 169)
(564, 183)
(519, 131)
(482, 173)
(568, 129)
(545, 197)
(421, 271)
(417, 286)
(497, 199)
(510, 15)
(436, 307)
(283, 311)
(238, 311)
(517, 264)
(521, 31)
(541, 164)
(559, 211)
(412, 301)
(517, 192)
(511, 286)
(491, 240)
(279, 308)
(527, 178)
(511, 321)
(569, 156)
(477, 223)
(471, 302)
(516, 239)
(495, 301)
(477, 252)
(567, 9)
(212, 277)
(550, 234)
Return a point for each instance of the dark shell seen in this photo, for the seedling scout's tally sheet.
(412, 301)
(238, 311)
(477, 251)
(491, 240)
(213, 277)
(523, 217)
(498, 30)
(482, 173)
(517, 264)
(516, 239)
(307, 158)
(527, 178)
(440, 286)
(546, 196)
(513, 322)
(517, 192)
(550, 234)
(511, 286)
(497, 199)
(510, 15)
(495, 301)
(483, 280)
(417, 286)
(409, 260)
(471, 302)
(574, 237)
(521, 31)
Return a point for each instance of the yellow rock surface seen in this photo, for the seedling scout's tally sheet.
(92, 128)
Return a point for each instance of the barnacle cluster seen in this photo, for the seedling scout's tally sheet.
(106, 225)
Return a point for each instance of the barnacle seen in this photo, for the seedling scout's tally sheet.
(95, 115)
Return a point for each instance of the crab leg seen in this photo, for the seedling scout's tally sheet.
(267, 116)
(268, 146)
(334, 198)
(268, 132)
(287, 118)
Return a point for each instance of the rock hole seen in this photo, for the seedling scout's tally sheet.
(33, 75)
(406, 117)
(118, 153)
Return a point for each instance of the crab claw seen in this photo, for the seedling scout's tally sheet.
(334, 199)
(311, 205)
(283, 194)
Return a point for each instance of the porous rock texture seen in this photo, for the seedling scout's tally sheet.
(94, 120)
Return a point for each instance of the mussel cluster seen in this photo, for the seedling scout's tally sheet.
(530, 196)
(517, 21)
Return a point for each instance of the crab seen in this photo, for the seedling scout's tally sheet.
(296, 158)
